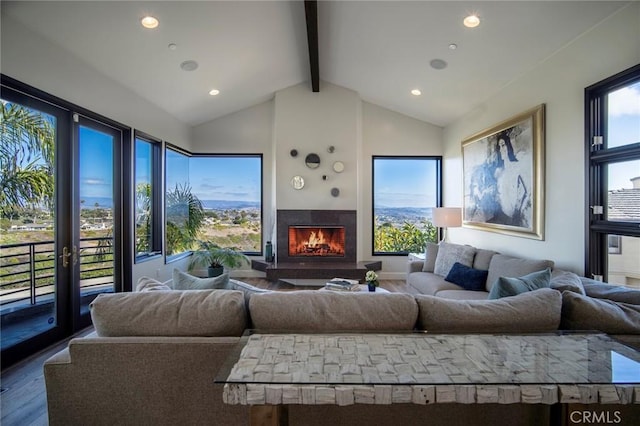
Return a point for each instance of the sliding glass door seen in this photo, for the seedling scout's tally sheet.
(59, 240)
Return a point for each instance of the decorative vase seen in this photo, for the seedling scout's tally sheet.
(371, 287)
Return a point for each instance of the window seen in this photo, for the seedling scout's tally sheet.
(405, 191)
(180, 204)
(148, 231)
(230, 189)
(216, 198)
(613, 178)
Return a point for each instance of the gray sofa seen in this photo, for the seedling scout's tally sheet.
(155, 353)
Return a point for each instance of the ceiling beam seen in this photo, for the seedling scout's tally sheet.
(311, 13)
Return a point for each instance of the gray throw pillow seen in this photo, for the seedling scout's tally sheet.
(184, 281)
(448, 254)
(616, 293)
(506, 287)
(588, 313)
(430, 254)
(566, 281)
(149, 284)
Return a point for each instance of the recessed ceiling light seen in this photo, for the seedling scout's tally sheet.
(471, 21)
(438, 64)
(214, 92)
(453, 46)
(189, 65)
(149, 22)
(172, 46)
(416, 92)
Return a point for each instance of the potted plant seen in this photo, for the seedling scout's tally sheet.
(216, 258)
(372, 280)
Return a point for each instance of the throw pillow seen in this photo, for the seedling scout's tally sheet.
(565, 280)
(448, 254)
(506, 287)
(588, 313)
(502, 265)
(184, 281)
(149, 284)
(467, 278)
(535, 311)
(617, 293)
(430, 254)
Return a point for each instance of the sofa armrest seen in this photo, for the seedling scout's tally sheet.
(140, 380)
(414, 266)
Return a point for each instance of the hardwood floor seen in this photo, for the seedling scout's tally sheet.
(23, 399)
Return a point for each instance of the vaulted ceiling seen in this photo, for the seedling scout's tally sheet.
(250, 50)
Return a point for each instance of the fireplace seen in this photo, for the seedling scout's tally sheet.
(316, 241)
(316, 236)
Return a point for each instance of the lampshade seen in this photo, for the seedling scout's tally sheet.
(447, 217)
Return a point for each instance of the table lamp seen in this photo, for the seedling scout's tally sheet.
(447, 217)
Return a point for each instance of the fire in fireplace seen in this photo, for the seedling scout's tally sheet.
(316, 241)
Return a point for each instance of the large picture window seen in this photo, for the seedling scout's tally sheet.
(405, 191)
(613, 178)
(214, 198)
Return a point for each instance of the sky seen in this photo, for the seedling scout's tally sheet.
(403, 182)
(96, 164)
(624, 128)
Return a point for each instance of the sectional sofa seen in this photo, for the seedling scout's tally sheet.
(155, 353)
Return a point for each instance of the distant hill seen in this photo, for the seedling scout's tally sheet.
(404, 213)
(90, 202)
(229, 204)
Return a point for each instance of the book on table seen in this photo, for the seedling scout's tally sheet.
(342, 284)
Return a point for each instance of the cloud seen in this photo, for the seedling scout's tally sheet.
(94, 181)
(625, 101)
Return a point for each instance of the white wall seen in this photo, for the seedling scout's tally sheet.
(33, 60)
(386, 132)
(311, 122)
(559, 82)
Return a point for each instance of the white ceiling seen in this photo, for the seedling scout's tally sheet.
(250, 50)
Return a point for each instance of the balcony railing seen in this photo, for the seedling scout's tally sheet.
(27, 270)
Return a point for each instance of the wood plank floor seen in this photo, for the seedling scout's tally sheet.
(24, 401)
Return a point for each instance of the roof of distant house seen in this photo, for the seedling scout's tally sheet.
(624, 204)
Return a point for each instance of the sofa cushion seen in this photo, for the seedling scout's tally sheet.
(467, 278)
(184, 281)
(535, 311)
(616, 293)
(509, 266)
(587, 313)
(462, 294)
(448, 254)
(565, 280)
(506, 286)
(310, 310)
(149, 284)
(170, 313)
(430, 254)
(429, 283)
(482, 259)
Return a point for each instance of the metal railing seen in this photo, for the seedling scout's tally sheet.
(27, 270)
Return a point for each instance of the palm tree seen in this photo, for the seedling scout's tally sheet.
(184, 218)
(26, 158)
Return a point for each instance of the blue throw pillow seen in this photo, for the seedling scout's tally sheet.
(467, 278)
(505, 287)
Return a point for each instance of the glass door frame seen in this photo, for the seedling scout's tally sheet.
(67, 206)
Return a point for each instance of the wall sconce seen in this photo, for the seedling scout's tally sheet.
(447, 217)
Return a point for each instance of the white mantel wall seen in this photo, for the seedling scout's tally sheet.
(558, 82)
(310, 122)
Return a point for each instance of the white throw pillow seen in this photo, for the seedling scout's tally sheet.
(448, 254)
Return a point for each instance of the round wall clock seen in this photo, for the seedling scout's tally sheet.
(297, 182)
(338, 167)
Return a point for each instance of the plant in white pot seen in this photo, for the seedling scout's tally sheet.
(216, 258)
